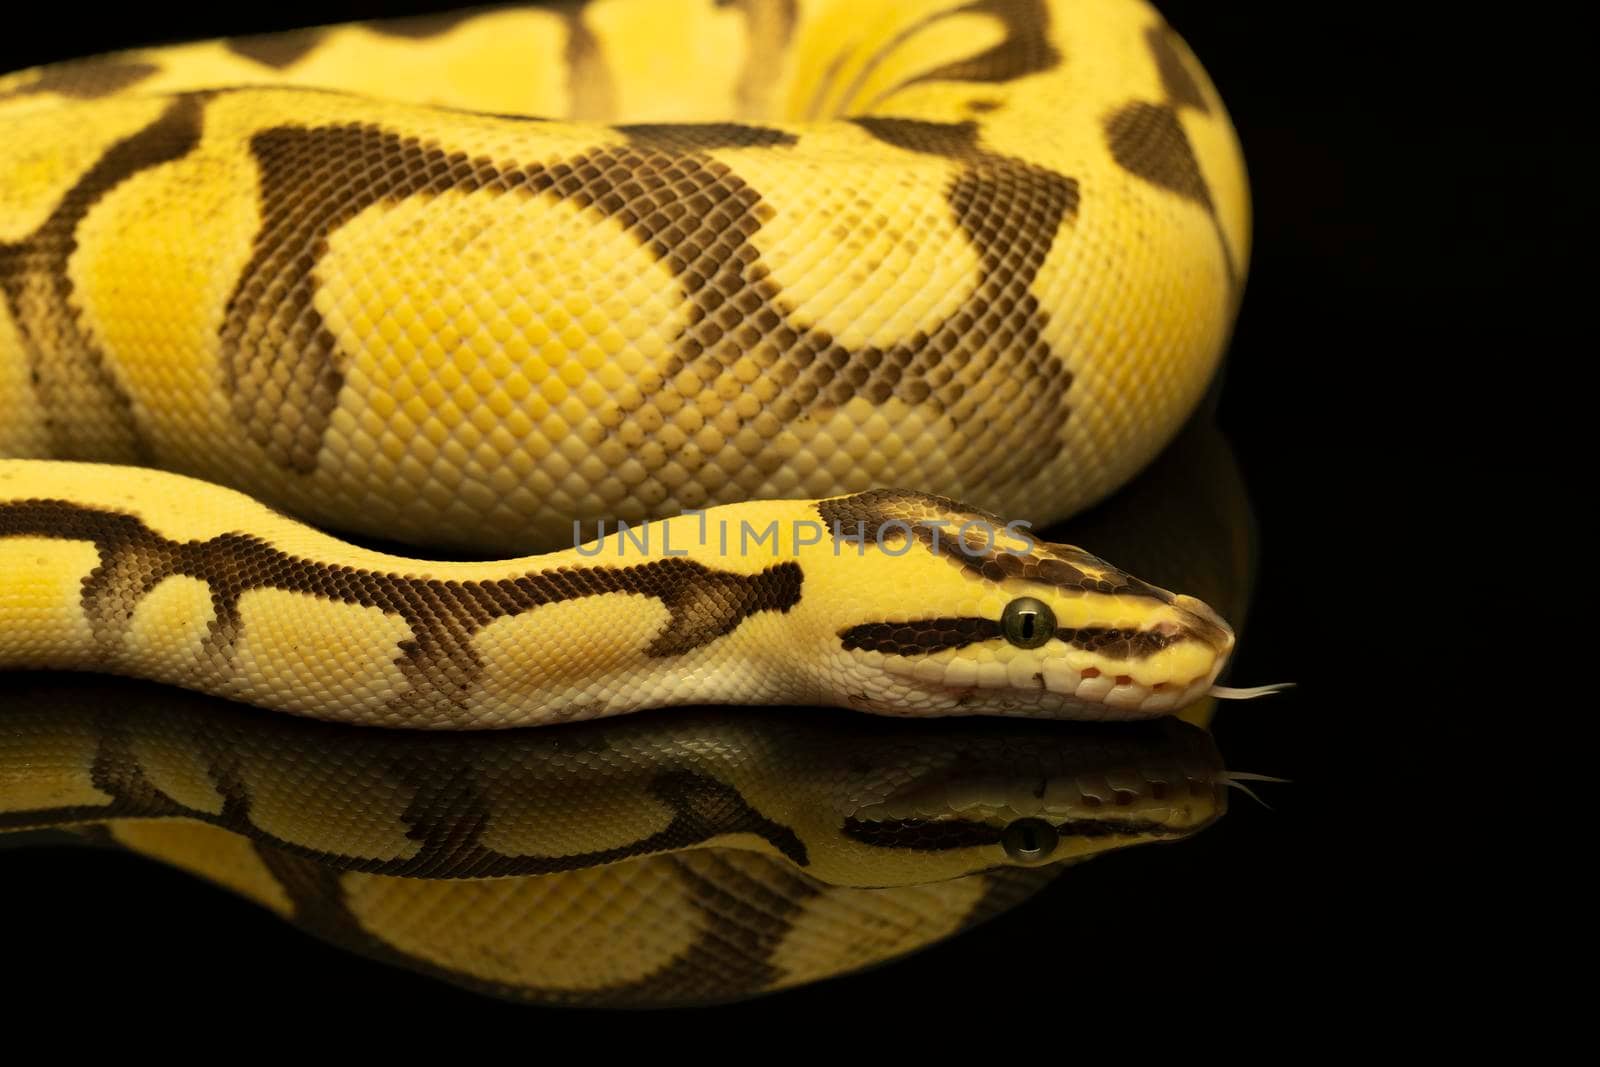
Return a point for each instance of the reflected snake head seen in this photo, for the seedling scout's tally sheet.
(941, 609)
(933, 801)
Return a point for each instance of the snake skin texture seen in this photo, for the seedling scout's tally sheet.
(492, 280)
(655, 860)
(988, 250)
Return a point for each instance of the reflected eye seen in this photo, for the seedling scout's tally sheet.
(1028, 623)
(1029, 840)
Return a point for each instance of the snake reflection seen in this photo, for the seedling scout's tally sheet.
(686, 857)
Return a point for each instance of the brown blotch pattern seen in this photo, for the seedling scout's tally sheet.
(1010, 211)
(740, 920)
(448, 816)
(438, 660)
(1148, 139)
(1177, 79)
(704, 136)
(69, 373)
(422, 27)
(283, 371)
(919, 636)
(1025, 50)
(87, 79)
(449, 811)
(936, 522)
(695, 215)
(953, 140)
(276, 50)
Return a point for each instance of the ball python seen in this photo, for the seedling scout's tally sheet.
(659, 859)
(492, 279)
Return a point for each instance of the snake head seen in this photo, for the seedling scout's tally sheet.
(948, 798)
(942, 609)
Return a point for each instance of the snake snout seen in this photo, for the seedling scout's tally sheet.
(1201, 621)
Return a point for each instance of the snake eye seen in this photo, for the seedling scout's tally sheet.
(1028, 623)
(1030, 840)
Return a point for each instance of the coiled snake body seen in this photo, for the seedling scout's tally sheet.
(762, 254)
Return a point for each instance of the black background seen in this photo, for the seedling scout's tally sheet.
(1384, 245)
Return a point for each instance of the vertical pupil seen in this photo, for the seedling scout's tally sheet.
(1027, 623)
